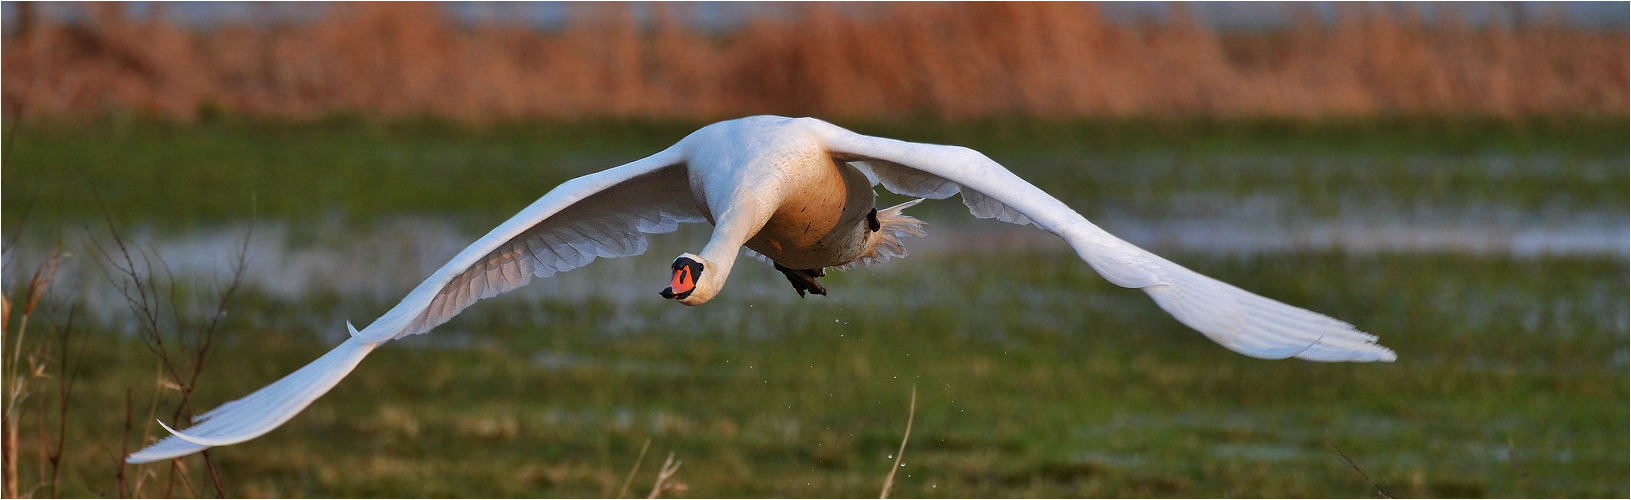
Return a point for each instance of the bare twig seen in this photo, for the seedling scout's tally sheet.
(911, 412)
(65, 389)
(205, 340)
(178, 468)
(670, 466)
(1519, 466)
(153, 295)
(624, 491)
(142, 297)
(215, 475)
(1379, 491)
(124, 449)
(143, 473)
(49, 446)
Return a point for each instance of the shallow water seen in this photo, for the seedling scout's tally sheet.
(380, 263)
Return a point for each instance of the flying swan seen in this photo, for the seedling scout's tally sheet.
(796, 192)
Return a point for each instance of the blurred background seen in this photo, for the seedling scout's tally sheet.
(197, 196)
(489, 62)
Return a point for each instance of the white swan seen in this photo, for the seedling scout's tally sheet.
(797, 192)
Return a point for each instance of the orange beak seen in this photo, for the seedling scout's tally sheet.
(686, 272)
(683, 281)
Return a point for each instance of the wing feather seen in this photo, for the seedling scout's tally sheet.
(605, 214)
(1239, 320)
(601, 225)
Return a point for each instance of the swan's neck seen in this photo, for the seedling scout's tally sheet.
(732, 229)
(722, 249)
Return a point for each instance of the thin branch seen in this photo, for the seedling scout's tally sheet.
(65, 389)
(669, 468)
(141, 295)
(155, 297)
(624, 491)
(1379, 491)
(143, 472)
(124, 451)
(207, 338)
(215, 475)
(911, 412)
(1512, 457)
(178, 468)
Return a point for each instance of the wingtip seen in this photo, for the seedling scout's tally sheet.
(167, 448)
(151, 455)
(351, 328)
(183, 437)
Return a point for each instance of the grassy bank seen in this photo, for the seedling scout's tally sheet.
(1034, 378)
(168, 174)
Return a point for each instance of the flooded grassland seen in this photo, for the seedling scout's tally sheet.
(1496, 267)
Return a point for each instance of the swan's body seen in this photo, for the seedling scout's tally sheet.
(797, 192)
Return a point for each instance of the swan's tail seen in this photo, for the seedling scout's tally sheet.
(263, 410)
(886, 242)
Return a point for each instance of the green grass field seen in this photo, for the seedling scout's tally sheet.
(1034, 377)
(174, 175)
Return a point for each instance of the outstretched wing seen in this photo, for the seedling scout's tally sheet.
(1240, 320)
(605, 214)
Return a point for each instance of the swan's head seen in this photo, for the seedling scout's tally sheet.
(692, 283)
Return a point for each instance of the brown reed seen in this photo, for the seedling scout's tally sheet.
(953, 61)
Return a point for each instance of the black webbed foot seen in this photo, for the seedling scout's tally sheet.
(803, 280)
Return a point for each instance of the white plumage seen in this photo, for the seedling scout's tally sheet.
(793, 191)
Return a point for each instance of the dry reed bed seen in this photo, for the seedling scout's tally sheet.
(957, 61)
